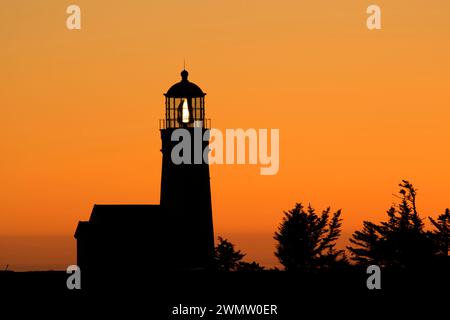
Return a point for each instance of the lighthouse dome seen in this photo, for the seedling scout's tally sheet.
(184, 88)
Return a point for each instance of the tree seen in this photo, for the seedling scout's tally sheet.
(441, 234)
(368, 243)
(306, 241)
(249, 266)
(227, 258)
(398, 242)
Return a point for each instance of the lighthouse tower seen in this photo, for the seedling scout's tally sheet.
(185, 187)
(175, 235)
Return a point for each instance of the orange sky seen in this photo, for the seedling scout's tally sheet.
(357, 110)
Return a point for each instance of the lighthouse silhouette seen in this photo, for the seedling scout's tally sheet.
(185, 187)
(177, 234)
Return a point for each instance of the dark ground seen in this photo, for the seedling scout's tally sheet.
(153, 295)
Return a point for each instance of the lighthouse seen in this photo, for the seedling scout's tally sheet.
(185, 187)
(175, 235)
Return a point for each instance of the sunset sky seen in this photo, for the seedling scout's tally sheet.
(357, 110)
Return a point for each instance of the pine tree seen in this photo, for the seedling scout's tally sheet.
(368, 243)
(398, 242)
(441, 234)
(227, 258)
(306, 240)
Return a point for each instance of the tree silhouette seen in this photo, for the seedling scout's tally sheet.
(368, 245)
(398, 242)
(249, 266)
(441, 234)
(227, 258)
(306, 241)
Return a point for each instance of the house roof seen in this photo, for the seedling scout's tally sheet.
(121, 218)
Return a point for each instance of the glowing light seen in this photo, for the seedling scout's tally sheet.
(185, 110)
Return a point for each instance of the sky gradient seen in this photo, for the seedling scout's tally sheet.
(357, 110)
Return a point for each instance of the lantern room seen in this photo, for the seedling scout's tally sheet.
(185, 105)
